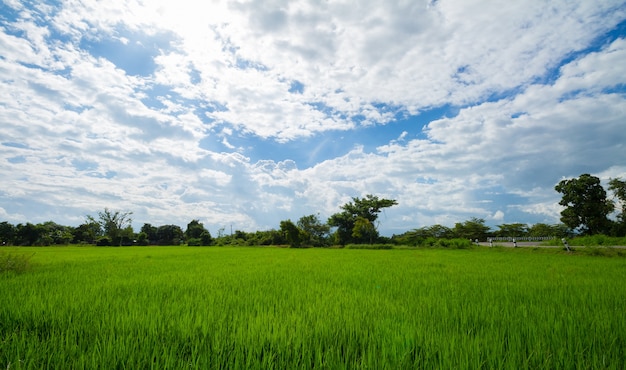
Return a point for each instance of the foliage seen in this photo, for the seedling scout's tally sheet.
(417, 236)
(344, 223)
(557, 231)
(210, 308)
(7, 233)
(14, 263)
(142, 239)
(196, 234)
(364, 229)
(170, 235)
(438, 231)
(473, 229)
(292, 233)
(87, 232)
(103, 241)
(30, 234)
(618, 187)
(354, 215)
(369, 246)
(446, 243)
(314, 232)
(269, 237)
(115, 224)
(586, 205)
(151, 233)
(511, 230)
(194, 242)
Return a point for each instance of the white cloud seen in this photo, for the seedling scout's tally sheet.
(86, 134)
(498, 216)
(348, 55)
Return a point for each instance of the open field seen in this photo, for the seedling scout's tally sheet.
(181, 307)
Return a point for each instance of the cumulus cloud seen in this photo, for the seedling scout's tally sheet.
(529, 93)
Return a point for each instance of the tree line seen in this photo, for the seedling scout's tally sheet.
(356, 223)
(586, 211)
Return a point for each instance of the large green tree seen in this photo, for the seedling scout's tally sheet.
(116, 224)
(149, 234)
(314, 232)
(197, 234)
(7, 233)
(586, 204)
(87, 232)
(292, 233)
(170, 235)
(473, 228)
(512, 230)
(618, 187)
(541, 229)
(31, 234)
(357, 222)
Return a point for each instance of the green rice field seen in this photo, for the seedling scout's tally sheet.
(280, 308)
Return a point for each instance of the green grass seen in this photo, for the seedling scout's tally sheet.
(589, 241)
(14, 263)
(229, 308)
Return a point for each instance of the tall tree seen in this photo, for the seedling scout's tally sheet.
(618, 187)
(30, 234)
(150, 233)
(314, 232)
(170, 235)
(364, 229)
(437, 231)
(291, 233)
(114, 223)
(197, 234)
(87, 232)
(512, 230)
(473, 228)
(7, 233)
(586, 205)
(541, 229)
(366, 208)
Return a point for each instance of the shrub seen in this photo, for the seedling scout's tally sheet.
(369, 246)
(432, 242)
(194, 242)
(16, 263)
(103, 241)
(460, 244)
(142, 239)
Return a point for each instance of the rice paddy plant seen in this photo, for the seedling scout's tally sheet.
(14, 263)
(598, 240)
(218, 308)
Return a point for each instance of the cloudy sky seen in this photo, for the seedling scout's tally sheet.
(246, 113)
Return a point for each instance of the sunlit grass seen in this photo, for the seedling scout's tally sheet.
(179, 307)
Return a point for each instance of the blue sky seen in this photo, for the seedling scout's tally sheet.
(246, 113)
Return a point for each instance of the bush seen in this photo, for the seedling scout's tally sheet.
(142, 239)
(369, 246)
(16, 263)
(432, 242)
(194, 242)
(103, 241)
(460, 244)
